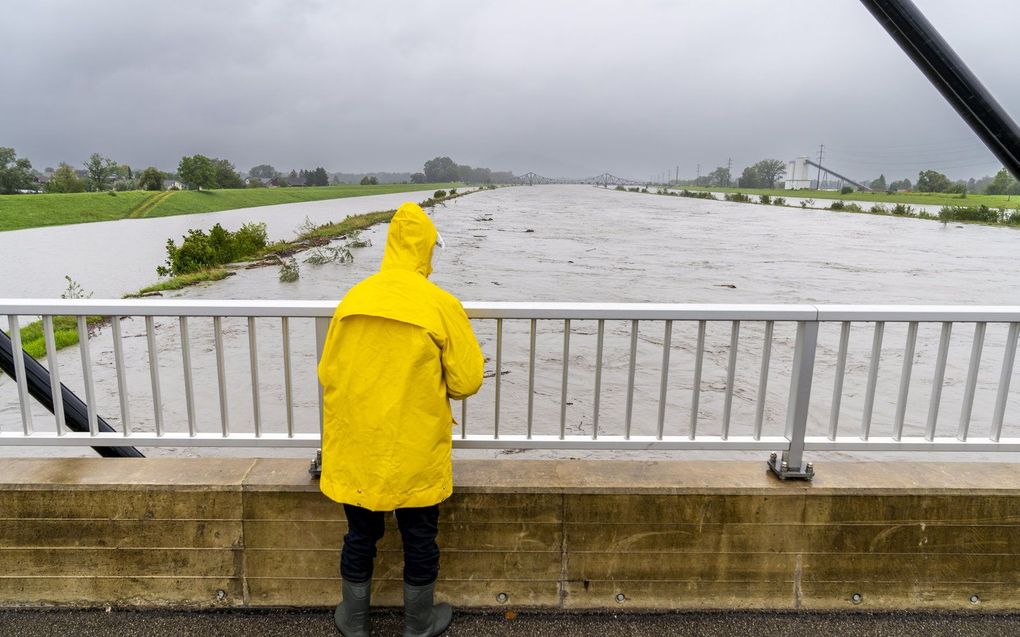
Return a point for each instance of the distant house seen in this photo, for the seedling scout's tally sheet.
(265, 181)
(172, 184)
(295, 181)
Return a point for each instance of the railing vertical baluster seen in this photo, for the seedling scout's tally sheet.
(667, 339)
(253, 354)
(463, 418)
(157, 396)
(800, 395)
(531, 376)
(563, 388)
(288, 390)
(1008, 355)
(321, 332)
(763, 379)
(118, 361)
(696, 394)
(937, 381)
(56, 395)
(19, 372)
(837, 385)
(89, 380)
(908, 366)
(731, 371)
(630, 378)
(598, 378)
(189, 389)
(221, 376)
(869, 393)
(499, 373)
(972, 374)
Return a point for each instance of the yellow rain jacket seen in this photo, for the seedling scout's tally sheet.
(399, 347)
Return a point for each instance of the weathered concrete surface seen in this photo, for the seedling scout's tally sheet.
(619, 535)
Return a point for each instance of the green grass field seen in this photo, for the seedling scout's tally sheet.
(29, 211)
(922, 198)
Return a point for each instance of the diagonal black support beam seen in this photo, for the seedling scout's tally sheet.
(75, 411)
(961, 88)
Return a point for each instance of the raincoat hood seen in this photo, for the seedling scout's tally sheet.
(410, 241)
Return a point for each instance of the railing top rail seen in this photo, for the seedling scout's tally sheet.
(526, 310)
(643, 311)
(920, 313)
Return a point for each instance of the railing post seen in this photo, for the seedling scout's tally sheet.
(792, 465)
(321, 330)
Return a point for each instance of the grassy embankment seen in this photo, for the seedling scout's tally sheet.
(65, 327)
(18, 212)
(916, 198)
(980, 214)
(311, 237)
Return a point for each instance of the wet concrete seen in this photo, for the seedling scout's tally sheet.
(286, 623)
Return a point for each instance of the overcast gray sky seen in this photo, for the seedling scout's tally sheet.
(561, 88)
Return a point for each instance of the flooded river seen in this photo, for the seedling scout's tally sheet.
(583, 244)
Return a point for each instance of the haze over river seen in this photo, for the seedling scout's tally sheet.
(570, 244)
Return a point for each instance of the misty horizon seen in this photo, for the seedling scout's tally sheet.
(565, 90)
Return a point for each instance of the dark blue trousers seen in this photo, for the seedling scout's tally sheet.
(418, 529)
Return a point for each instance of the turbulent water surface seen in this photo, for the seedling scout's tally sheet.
(584, 244)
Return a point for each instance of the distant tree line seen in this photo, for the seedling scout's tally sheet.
(763, 174)
(444, 169)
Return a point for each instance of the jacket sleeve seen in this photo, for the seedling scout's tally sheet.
(463, 363)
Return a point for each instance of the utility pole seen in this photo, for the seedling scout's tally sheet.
(678, 174)
(699, 171)
(821, 150)
(729, 168)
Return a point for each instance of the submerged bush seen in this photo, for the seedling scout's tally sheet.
(901, 210)
(738, 197)
(779, 201)
(199, 251)
(439, 194)
(845, 207)
(982, 214)
(764, 200)
(289, 270)
(696, 194)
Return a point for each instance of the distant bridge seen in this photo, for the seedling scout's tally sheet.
(605, 180)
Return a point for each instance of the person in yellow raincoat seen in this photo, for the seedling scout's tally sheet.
(398, 348)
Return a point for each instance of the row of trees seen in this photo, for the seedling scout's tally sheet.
(443, 169)
(201, 172)
(98, 173)
(763, 174)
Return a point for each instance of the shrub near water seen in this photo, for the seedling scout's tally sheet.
(200, 251)
(983, 214)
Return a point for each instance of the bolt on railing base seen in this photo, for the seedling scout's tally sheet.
(784, 471)
(315, 469)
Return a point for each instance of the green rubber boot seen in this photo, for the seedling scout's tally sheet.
(351, 614)
(421, 618)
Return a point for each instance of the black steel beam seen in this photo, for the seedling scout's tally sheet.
(961, 88)
(75, 411)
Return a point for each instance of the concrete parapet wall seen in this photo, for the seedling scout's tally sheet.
(558, 534)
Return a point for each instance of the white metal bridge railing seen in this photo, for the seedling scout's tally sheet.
(784, 378)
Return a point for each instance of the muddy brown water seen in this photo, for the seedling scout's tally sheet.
(584, 244)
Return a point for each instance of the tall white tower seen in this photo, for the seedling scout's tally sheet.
(798, 175)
